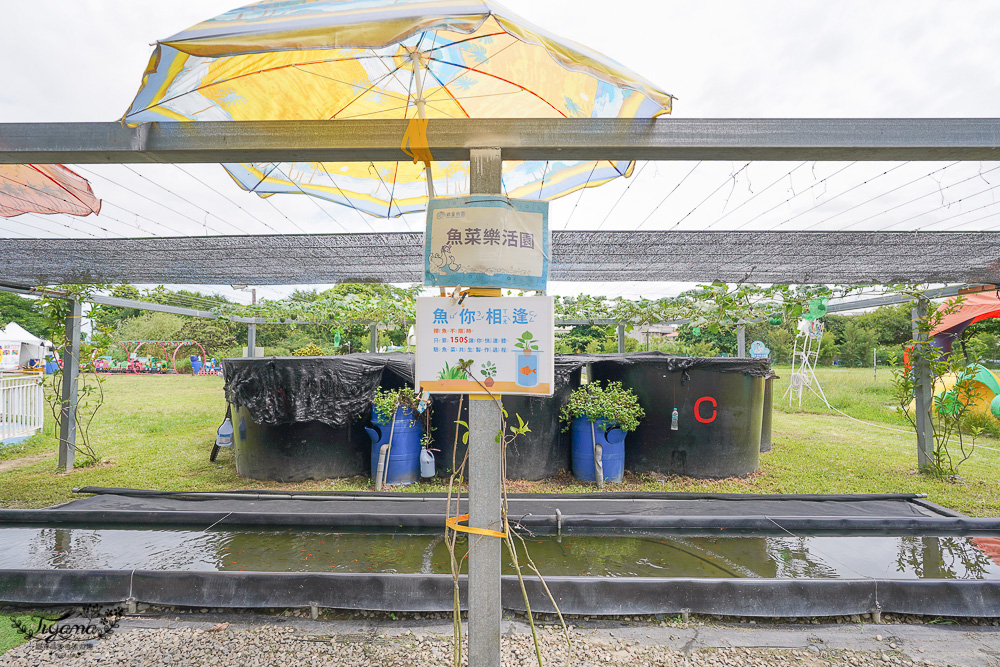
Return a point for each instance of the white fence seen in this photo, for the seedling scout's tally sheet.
(22, 405)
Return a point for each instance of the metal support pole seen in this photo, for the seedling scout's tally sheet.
(484, 552)
(70, 380)
(621, 338)
(252, 328)
(485, 479)
(373, 338)
(741, 339)
(922, 388)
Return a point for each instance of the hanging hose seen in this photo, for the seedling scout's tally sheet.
(598, 458)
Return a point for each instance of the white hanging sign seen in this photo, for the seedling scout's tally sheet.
(508, 342)
(487, 241)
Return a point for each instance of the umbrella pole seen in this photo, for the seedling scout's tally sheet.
(418, 83)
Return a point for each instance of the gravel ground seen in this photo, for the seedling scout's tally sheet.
(223, 644)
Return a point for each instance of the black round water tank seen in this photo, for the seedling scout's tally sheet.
(541, 453)
(719, 417)
(765, 424)
(298, 451)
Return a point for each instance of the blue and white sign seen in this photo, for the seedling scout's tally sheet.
(487, 241)
(758, 350)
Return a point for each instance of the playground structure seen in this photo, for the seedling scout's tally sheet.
(974, 308)
(133, 363)
(977, 387)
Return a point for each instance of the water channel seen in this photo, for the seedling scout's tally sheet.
(299, 550)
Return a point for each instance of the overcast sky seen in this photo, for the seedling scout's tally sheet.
(81, 60)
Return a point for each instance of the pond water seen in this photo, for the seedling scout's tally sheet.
(298, 550)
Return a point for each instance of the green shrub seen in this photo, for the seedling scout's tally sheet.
(613, 403)
(387, 400)
(311, 350)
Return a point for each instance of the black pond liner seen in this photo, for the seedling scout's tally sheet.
(575, 595)
(762, 597)
(720, 403)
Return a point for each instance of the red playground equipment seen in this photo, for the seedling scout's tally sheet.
(136, 364)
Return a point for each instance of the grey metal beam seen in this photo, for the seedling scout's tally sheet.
(518, 139)
(922, 388)
(147, 305)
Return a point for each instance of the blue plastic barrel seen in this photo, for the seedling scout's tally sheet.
(613, 455)
(404, 456)
(195, 364)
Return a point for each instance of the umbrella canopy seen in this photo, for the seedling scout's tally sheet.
(373, 59)
(44, 188)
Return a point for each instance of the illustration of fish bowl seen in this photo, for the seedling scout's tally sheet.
(526, 360)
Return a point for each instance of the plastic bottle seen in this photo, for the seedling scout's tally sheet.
(426, 463)
(225, 437)
(673, 420)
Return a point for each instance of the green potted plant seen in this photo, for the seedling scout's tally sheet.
(396, 435)
(599, 417)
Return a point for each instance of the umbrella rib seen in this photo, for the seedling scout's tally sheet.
(450, 94)
(64, 188)
(445, 85)
(369, 89)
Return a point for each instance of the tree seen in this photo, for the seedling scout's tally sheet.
(856, 349)
(26, 312)
(579, 337)
(150, 326)
(214, 335)
(828, 350)
(892, 325)
(721, 339)
(107, 318)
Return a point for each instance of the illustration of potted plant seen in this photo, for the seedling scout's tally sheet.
(453, 376)
(489, 371)
(600, 417)
(526, 360)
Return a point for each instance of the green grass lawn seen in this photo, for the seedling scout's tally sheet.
(156, 432)
(9, 637)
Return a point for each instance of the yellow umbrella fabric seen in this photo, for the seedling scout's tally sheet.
(359, 59)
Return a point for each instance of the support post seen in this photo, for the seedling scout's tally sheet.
(373, 338)
(621, 338)
(741, 339)
(922, 387)
(252, 328)
(70, 380)
(485, 479)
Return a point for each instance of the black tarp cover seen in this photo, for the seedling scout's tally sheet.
(335, 390)
(332, 390)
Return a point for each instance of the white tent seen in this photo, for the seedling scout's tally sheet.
(18, 347)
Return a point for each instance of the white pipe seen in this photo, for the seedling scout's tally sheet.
(388, 450)
(598, 457)
(383, 458)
